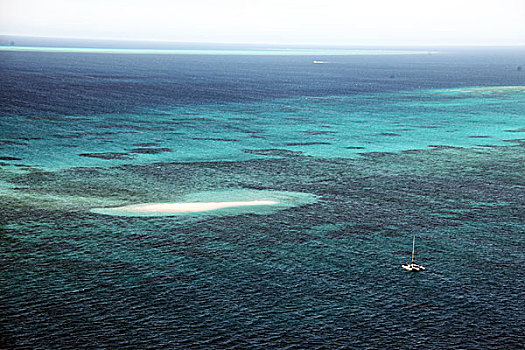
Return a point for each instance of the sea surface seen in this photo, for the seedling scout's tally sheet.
(363, 149)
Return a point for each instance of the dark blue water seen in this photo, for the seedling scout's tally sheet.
(73, 84)
(389, 146)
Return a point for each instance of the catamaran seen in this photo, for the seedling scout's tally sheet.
(413, 266)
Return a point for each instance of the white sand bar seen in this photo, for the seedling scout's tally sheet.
(188, 207)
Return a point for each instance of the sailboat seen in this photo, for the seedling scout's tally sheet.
(413, 266)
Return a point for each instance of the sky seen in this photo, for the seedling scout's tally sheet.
(302, 22)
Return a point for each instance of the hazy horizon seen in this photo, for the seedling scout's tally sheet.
(291, 22)
(9, 37)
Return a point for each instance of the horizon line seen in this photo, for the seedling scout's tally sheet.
(150, 40)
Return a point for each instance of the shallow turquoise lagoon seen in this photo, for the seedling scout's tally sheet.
(330, 127)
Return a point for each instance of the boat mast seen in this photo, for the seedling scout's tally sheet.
(413, 246)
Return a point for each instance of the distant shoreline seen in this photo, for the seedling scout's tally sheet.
(252, 52)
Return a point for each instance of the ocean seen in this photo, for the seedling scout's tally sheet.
(362, 152)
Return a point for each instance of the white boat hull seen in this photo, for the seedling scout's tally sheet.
(413, 267)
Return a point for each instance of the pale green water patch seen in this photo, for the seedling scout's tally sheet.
(482, 90)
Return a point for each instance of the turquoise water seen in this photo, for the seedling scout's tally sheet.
(330, 127)
(356, 173)
(261, 280)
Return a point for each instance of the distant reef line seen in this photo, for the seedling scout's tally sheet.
(293, 52)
